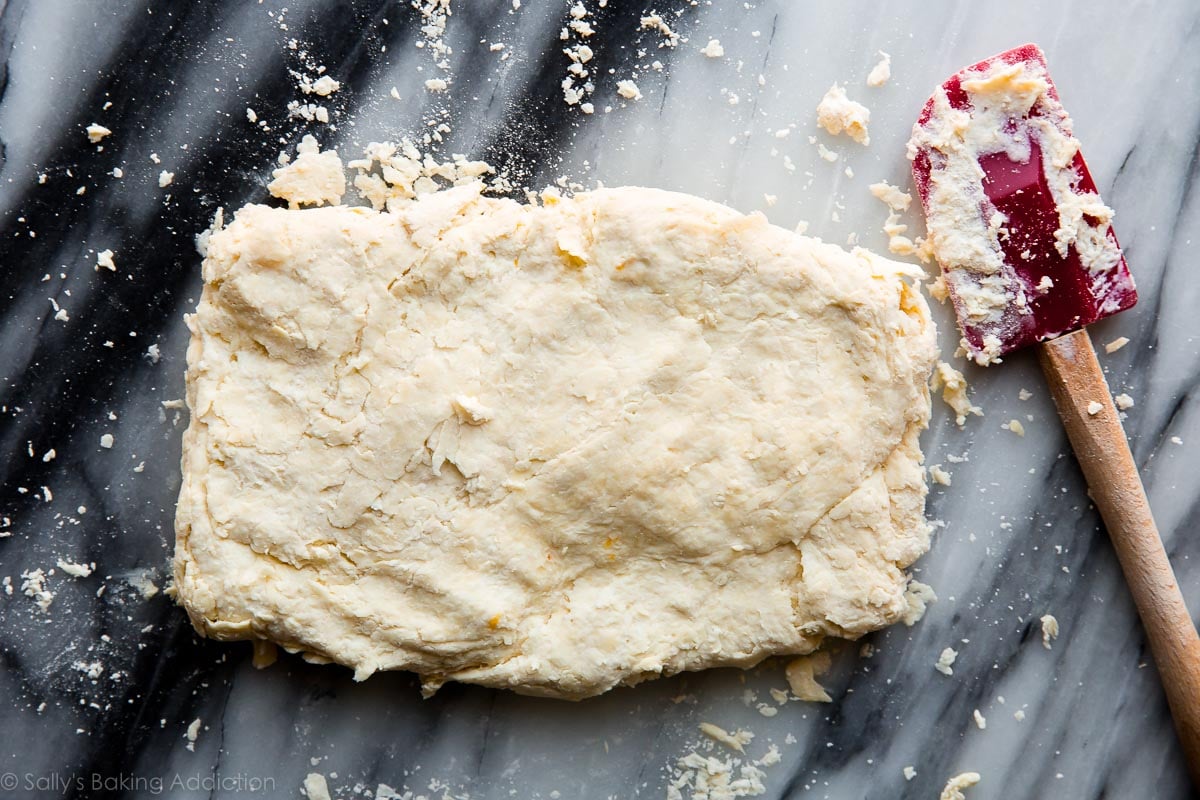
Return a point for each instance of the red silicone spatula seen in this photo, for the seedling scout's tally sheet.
(1028, 257)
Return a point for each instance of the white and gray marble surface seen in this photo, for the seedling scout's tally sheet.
(1019, 538)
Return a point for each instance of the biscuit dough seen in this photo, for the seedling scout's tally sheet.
(553, 448)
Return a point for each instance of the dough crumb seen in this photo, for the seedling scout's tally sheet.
(165, 179)
(937, 289)
(1019, 715)
(1094, 408)
(322, 86)
(838, 114)
(712, 775)
(954, 786)
(33, 586)
(106, 441)
(93, 669)
(75, 570)
(264, 654)
(909, 773)
(946, 660)
(315, 787)
(1016, 427)
(881, 72)
(826, 154)
(802, 675)
(980, 720)
(192, 733)
(713, 49)
(654, 21)
(437, 84)
(917, 597)
(893, 196)
(954, 392)
(145, 587)
(734, 741)
(898, 202)
(1116, 344)
(105, 259)
(1049, 630)
(314, 178)
(939, 475)
(629, 90)
(1024, 394)
(96, 132)
(1123, 401)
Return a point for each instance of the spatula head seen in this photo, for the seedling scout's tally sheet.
(1014, 218)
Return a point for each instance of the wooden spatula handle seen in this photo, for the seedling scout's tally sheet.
(1077, 385)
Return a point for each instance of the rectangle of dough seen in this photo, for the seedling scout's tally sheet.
(548, 447)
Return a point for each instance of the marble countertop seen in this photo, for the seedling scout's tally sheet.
(99, 689)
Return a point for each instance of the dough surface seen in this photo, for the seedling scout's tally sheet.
(553, 448)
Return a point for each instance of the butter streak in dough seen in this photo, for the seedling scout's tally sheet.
(551, 448)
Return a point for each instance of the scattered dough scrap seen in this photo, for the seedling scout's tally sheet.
(1049, 630)
(192, 733)
(980, 720)
(838, 114)
(881, 72)
(954, 786)
(322, 86)
(1116, 344)
(939, 475)
(802, 675)
(553, 447)
(76, 570)
(734, 741)
(316, 787)
(314, 178)
(96, 132)
(1094, 408)
(105, 259)
(909, 773)
(1016, 426)
(918, 596)
(946, 661)
(893, 197)
(1123, 401)
(165, 179)
(264, 655)
(954, 392)
(106, 441)
(713, 49)
(629, 90)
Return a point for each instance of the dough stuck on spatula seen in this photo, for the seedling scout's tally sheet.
(553, 448)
